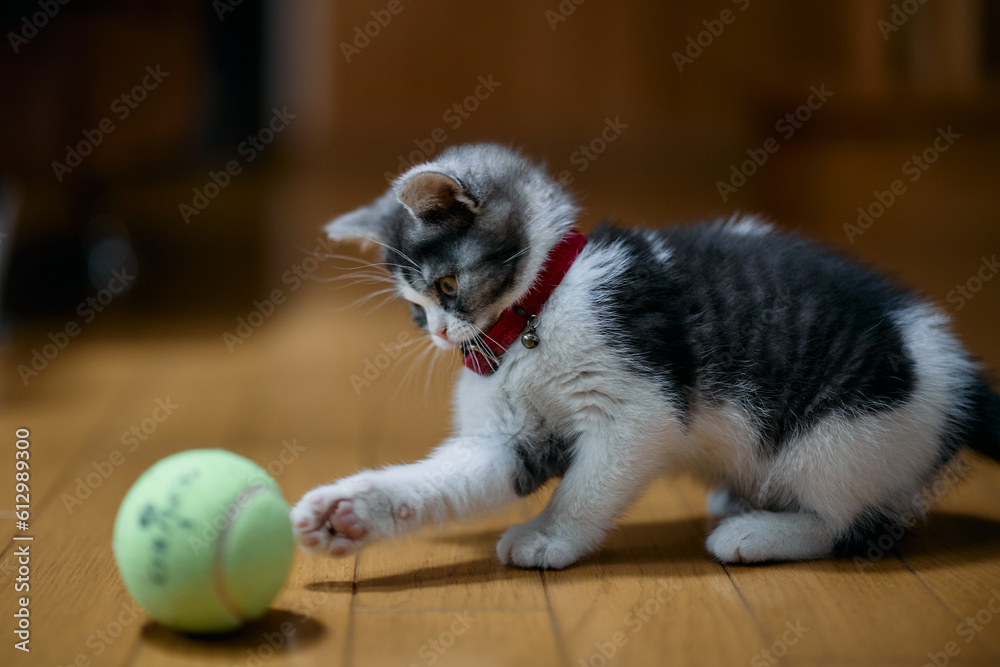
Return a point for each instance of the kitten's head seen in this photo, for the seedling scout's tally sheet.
(464, 235)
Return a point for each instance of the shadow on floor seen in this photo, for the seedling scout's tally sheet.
(949, 538)
(676, 548)
(277, 632)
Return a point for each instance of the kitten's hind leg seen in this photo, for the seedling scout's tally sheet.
(760, 536)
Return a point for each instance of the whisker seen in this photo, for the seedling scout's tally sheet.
(430, 373)
(391, 297)
(365, 282)
(362, 263)
(517, 254)
(484, 335)
(414, 355)
(395, 250)
(368, 297)
(475, 358)
(359, 262)
(355, 275)
(494, 365)
(417, 362)
(413, 348)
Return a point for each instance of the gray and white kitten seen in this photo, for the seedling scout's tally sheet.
(817, 398)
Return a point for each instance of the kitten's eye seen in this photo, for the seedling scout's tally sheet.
(448, 286)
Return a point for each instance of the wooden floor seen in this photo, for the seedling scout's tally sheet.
(653, 596)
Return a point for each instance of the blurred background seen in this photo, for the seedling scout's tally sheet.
(174, 161)
(166, 169)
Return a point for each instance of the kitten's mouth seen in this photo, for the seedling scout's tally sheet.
(453, 341)
(464, 333)
(456, 339)
(443, 343)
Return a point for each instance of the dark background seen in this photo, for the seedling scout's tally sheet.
(360, 104)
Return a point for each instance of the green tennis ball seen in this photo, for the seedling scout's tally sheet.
(203, 541)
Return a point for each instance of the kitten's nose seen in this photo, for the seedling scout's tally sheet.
(443, 332)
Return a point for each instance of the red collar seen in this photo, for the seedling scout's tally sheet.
(484, 358)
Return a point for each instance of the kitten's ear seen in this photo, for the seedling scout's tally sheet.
(369, 223)
(437, 198)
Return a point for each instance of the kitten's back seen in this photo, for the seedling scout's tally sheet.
(781, 326)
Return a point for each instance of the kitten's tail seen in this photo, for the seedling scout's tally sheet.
(983, 429)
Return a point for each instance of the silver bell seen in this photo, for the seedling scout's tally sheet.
(530, 340)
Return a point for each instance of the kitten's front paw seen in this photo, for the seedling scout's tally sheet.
(536, 546)
(737, 540)
(341, 518)
(761, 536)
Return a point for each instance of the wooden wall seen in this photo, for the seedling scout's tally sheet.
(564, 69)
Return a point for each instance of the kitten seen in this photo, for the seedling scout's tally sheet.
(814, 395)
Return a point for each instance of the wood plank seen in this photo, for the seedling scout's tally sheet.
(459, 638)
(653, 596)
(283, 422)
(449, 569)
(76, 592)
(419, 583)
(807, 609)
(286, 399)
(57, 442)
(954, 555)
